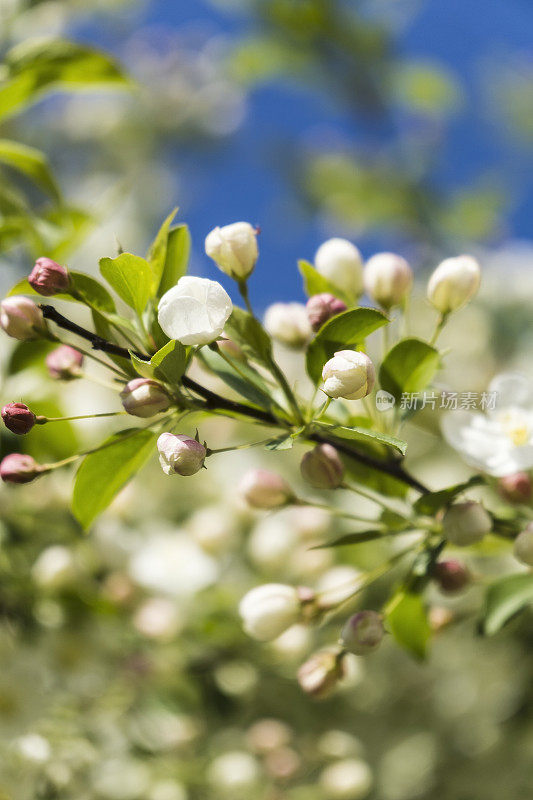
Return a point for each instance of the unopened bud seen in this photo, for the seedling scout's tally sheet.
(18, 418)
(288, 323)
(64, 363)
(231, 349)
(363, 632)
(233, 248)
(523, 546)
(454, 283)
(322, 467)
(321, 307)
(466, 523)
(180, 455)
(340, 262)
(263, 489)
(48, 277)
(21, 318)
(267, 611)
(388, 279)
(19, 468)
(515, 488)
(143, 397)
(349, 374)
(320, 674)
(451, 575)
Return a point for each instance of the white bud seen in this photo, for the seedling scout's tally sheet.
(263, 489)
(268, 610)
(523, 546)
(349, 779)
(143, 397)
(466, 523)
(454, 283)
(388, 279)
(233, 248)
(179, 454)
(194, 311)
(288, 323)
(349, 374)
(340, 262)
(21, 318)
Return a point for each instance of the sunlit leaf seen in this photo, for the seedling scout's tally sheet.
(131, 278)
(32, 163)
(409, 367)
(505, 598)
(407, 620)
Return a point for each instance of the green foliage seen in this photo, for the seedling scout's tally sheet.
(246, 331)
(315, 283)
(433, 501)
(505, 598)
(102, 474)
(409, 367)
(32, 163)
(407, 621)
(243, 379)
(131, 278)
(343, 332)
(177, 253)
(362, 435)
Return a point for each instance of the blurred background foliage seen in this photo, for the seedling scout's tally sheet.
(402, 125)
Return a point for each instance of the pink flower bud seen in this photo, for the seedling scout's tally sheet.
(319, 675)
(48, 277)
(18, 418)
(451, 575)
(321, 307)
(263, 489)
(19, 468)
(21, 318)
(515, 488)
(64, 363)
(144, 397)
(179, 454)
(363, 632)
(322, 467)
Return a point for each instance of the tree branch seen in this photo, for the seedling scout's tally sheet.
(215, 402)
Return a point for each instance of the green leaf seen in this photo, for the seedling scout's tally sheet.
(102, 474)
(142, 367)
(30, 162)
(157, 252)
(170, 362)
(249, 334)
(430, 503)
(358, 537)
(407, 621)
(362, 435)
(248, 383)
(176, 258)
(409, 367)
(315, 283)
(282, 442)
(131, 278)
(505, 598)
(38, 66)
(342, 332)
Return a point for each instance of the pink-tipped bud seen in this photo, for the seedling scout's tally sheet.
(144, 397)
(322, 467)
(64, 363)
(321, 307)
(21, 318)
(320, 674)
(231, 349)
(18, 418)
(516, 488)
(19, 468)
(179, 454)
(451, 575)
(263, 489)
(363, 632)
(48, 277)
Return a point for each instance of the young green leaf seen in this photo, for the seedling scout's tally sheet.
(362, 435)
(158, 251)
(315, 283)
(131, 278)
(102, 474)
(358, 537)
(30, 162)
(170, 362)
(342, 332)
(505, 598)
(176, 258)
(250, 335)
(431, 503)
(407, 621)
(409, 367)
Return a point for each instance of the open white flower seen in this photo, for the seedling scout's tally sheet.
(499, 442)
(194, 311)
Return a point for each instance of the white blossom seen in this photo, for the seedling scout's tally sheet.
(268, 610)
(388, 279)
(194, 311)
(454, 283)
(233, 248)
(340, 262)
(349, 374)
